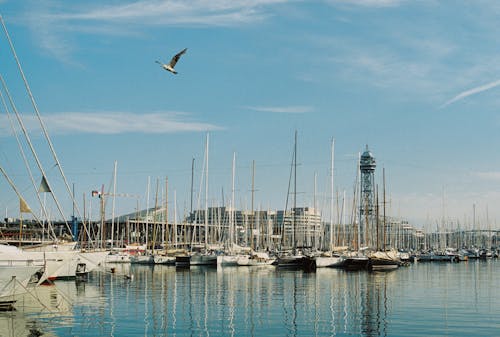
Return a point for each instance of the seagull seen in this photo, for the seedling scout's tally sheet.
(173, 61)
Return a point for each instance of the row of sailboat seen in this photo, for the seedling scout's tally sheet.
(286, 254)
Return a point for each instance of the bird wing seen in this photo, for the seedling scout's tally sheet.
(176, 57)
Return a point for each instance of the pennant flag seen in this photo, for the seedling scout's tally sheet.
(23, 206)
(44, 186)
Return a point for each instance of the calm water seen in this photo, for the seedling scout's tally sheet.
(424, 299)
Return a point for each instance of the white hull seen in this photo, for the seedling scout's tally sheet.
(51, 247)
(142, 259)
(328, 261)
(256, 259)
(14, 279)
(203, 260)
(227, 260)
(57, 264)
(93, 259)
(253, 261)
(164, 259)
(118, 258)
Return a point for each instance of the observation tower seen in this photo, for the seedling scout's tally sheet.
(367, 214)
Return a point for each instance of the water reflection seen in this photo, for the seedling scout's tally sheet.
(247, 301)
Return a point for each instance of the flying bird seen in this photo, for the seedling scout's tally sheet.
(173, 61)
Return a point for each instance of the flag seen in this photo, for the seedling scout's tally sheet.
(96, 194)
(44, 186)
(23, 206)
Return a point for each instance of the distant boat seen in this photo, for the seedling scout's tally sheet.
(227, 260)
(330, 260)
(142, 259)
(380, 260)
(203, 259)
(256, 259)
(164, 259)
(118, 257)
(437, 256)
(355, 260)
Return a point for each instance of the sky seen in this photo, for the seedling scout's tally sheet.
(418, 82)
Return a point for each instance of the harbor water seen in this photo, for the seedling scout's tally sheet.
(422, 299)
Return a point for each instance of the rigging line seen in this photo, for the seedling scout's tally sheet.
(42, 124)
(28, 140)
(11, 183)
(25, 159)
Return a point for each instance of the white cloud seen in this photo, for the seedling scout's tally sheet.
(471, 92)
(368, 3)
(52, 22)
(282, 109)
(113, 123)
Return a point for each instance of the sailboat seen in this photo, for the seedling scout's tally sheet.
(355, 259)
(232, 252)
(383, 259)
(330, 258)
(293, 257)
(202, 254)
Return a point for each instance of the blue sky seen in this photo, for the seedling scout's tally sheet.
(418, 81)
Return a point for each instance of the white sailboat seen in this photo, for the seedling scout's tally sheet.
(329, 258)
(256, 259)
(14, 279)
(294, 257)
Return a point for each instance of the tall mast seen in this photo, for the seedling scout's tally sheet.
(231, 222)
(165, 228)
(253, 212)
(206, 194)
(294, 190)
(331, 195)
(155, 215)
(384, 228)
(113, 206)
(192, 186)
(147, 211)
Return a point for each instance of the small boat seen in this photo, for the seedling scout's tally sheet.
(227, 260)
(118, 257)
(380, 260)
(142, 259)
(329, 260)
(297, 260)
(438, 256)
(355, 261)
(203, 259)
(164, 259)
(256, 259)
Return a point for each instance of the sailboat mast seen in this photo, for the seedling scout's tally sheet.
(206, 194)
(113, 207)
(331, 195)
(147, 211)
(165, 226)
(384, 223)
(192, 186)
(294, 191)
(231, 222)
(253, 212)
